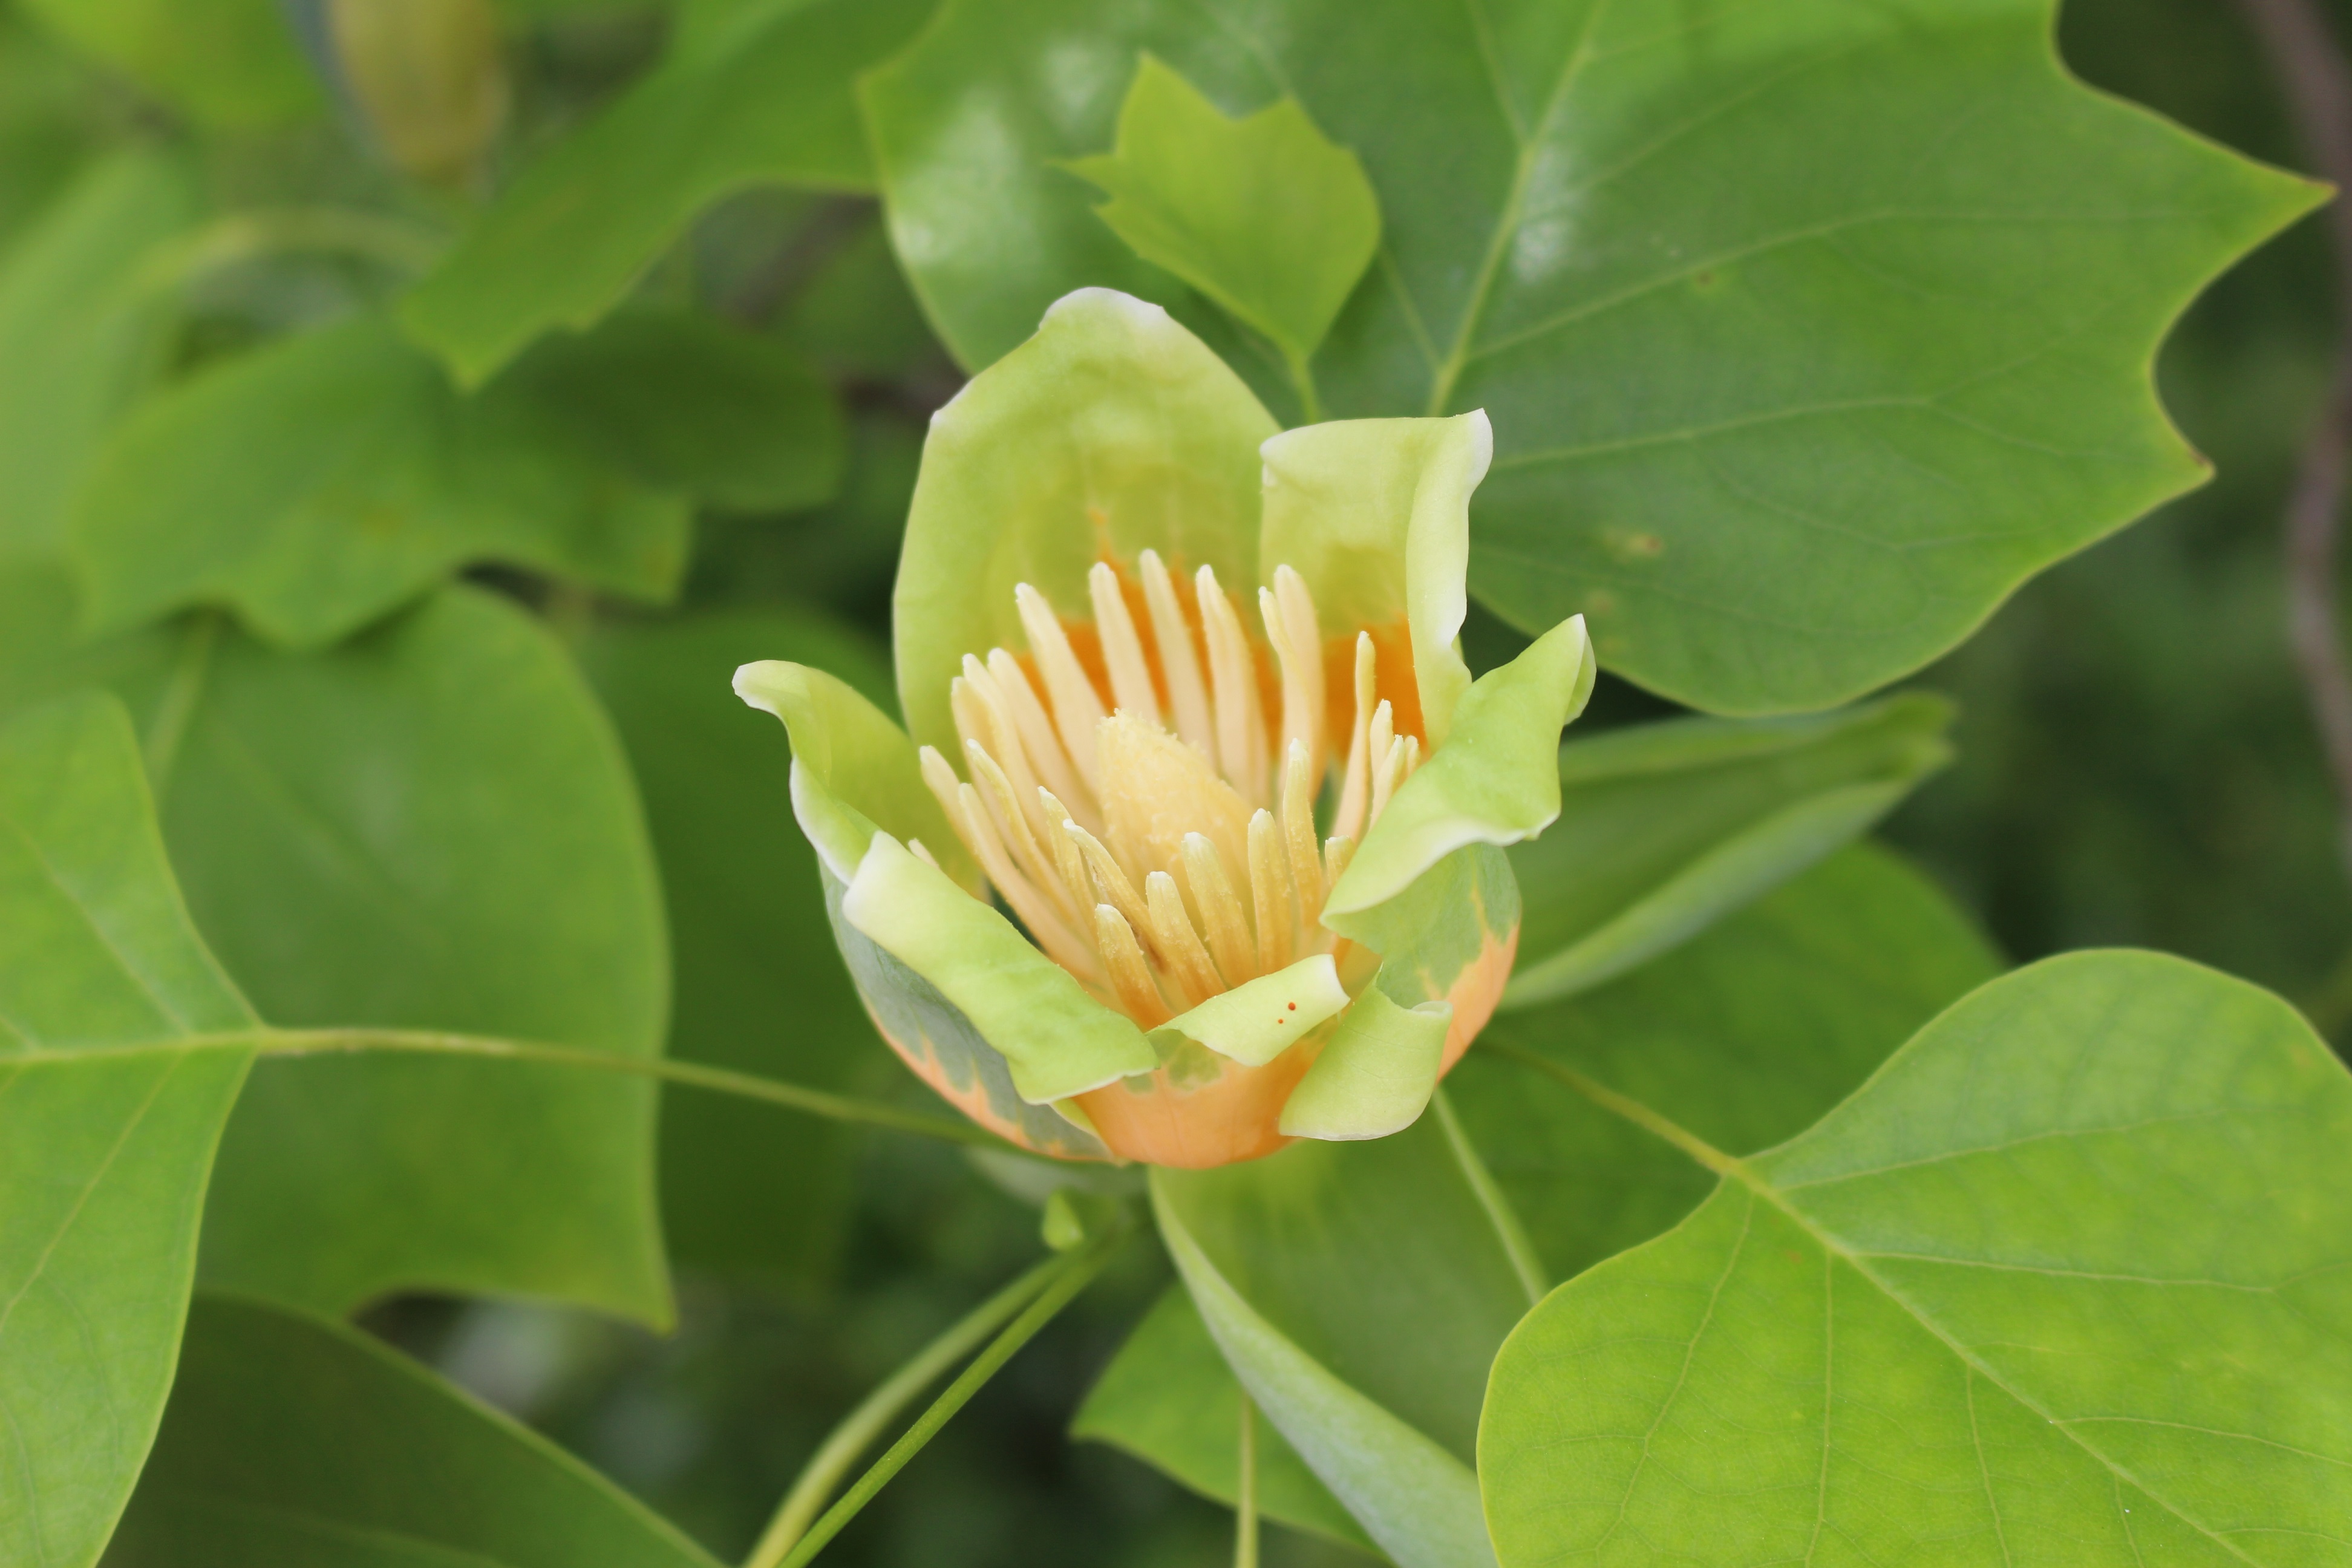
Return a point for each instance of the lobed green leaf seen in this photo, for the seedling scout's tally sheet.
(1808, 330)
(1746, 1035)
(119, 1057)
(757, 987)
(761, 96)
(2062, 1282)
(1265, 215)
(351, 831)
(324, 479)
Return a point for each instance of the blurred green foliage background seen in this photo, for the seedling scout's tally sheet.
(2135, 766)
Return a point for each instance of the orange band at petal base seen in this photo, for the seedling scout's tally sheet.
(1234, 1116)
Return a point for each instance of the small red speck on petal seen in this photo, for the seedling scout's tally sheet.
(1294, 1007)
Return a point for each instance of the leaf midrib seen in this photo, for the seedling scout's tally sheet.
(82, 1199)
(1730, 1167)
(1457, 357)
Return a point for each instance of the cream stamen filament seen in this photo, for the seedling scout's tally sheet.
(1220, 910)
(1355, 791)
(1013, 823)
(1178, 944)
(1044, 747)
(1068, 860)
(1130, 977)
(1179, 662)
(1044, 922)
(1002, 741)
(1130, 677)
(1269, 894)
(1337, 851)
(1205, 871)
(1076, 710)
(1298, 782)
(1233, 681)
(1109, 876)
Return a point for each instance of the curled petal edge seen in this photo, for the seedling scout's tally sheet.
(1376, 1073)
(1376, 514)
(1058, 1040)
(1495, 780)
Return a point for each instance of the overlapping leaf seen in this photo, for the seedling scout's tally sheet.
(1746, 1035)
(431, 827)
(1808, 330)
(1168, 1398)
(759, 987)
(228, 63)
(1665, 828)
(1359, 1291)
(290, 1440)
(82, 312)
(760, 95)
(119, 1058)
(323, 478)
(2063, 1282)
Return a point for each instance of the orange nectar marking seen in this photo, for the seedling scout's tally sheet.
(1192, 1126)
(972, 1102)
(1475, 993)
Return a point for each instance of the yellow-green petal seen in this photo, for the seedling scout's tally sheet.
(1058, 1040)
(1259, 1019)
(1376, 1073)
(1375, 514)
(853, 770)
(1113, 430)
(1494, 781)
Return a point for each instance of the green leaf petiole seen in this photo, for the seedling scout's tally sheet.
(1070, 1273)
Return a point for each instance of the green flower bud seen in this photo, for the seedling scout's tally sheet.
(427, 78)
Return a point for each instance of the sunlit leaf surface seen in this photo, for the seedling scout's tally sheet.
(2063, 1282)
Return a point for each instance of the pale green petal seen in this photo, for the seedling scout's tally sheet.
(1495, 781)
(1059, 1040)
(1259, 1019)
(1111, 431)
(853, 770)
(1375, 514)
(948, 1051)
(1376, 1073)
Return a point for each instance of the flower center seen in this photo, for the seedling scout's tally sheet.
(1152, 825)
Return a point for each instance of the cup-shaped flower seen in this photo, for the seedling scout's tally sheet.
(1194, 847)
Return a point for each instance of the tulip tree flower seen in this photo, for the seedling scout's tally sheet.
(1193, 845)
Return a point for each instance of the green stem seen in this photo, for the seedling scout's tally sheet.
(1245, 1502)
(1072, 1272)
(1303, 378)
(1525, 1263)
(169, 727)
(694, 1075)
(858, 1430)
(1631, 1109)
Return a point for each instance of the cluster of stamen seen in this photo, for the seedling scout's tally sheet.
(1159, 839)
